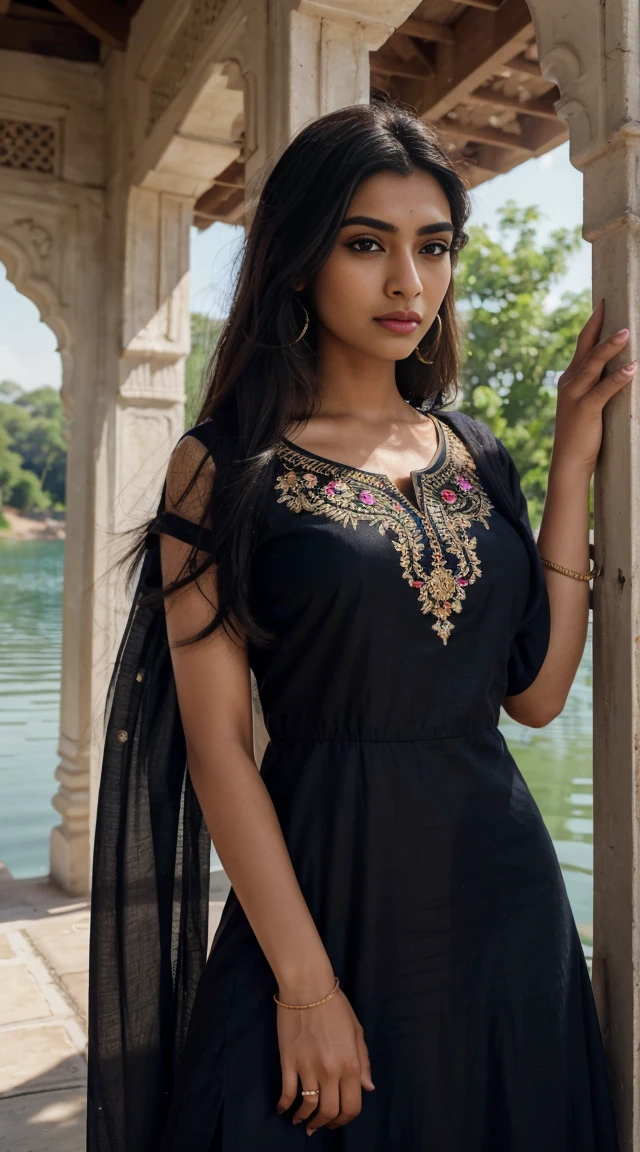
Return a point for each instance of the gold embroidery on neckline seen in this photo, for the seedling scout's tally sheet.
(450, 499)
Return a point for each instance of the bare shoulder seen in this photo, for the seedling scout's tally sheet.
(190, 479)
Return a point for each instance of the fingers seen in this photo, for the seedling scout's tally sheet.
(289, 1086)
(350, 1099)
(589, 335)
(614, 382)
(328, 1105)
(596, 361)
(365, 1064)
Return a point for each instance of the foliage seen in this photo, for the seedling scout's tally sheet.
(514, 349)
(204, 337)
(32, 447)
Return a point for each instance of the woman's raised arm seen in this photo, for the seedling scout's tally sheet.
(563, 538)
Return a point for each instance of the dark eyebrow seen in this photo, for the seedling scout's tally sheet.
(384, 226)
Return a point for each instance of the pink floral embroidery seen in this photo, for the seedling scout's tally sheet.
(321, 487)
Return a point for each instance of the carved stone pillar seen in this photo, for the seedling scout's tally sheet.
(142, 414)
(304, 58)
(591, 51)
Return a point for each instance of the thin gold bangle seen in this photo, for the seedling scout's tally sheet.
(315, 1002)
(569, 571)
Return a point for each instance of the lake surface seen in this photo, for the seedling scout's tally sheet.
(556, 761)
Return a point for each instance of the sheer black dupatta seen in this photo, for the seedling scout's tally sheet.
(149, 900)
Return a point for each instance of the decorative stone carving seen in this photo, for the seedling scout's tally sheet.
(571, 49)
(20, 256)
(152, 379)
(180, 56)
(35, 236)
(28, 146)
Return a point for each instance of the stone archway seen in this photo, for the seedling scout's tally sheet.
(49, 245)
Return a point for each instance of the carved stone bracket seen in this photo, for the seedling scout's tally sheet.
(32, 241)
(31, 253)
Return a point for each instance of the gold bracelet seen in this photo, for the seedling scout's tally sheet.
(315, 1002)
(569, 571)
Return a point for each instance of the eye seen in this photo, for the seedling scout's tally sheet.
(365, 240)
(436, 244)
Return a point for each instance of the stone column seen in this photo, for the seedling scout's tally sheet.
(592, 52)
(142, 411)
(82, 378)
(127, 409)
(303, 58)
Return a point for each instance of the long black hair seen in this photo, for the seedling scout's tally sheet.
(260, 379)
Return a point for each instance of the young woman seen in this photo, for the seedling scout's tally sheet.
(397, 968)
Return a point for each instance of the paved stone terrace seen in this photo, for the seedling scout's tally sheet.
(44, 948)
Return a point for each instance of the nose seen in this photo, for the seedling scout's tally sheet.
(404, 280)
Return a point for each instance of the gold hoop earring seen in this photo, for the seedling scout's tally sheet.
(306, 325)
(435, 346)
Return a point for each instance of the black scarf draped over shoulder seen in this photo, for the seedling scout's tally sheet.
(150, 887)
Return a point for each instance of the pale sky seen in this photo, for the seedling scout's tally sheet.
(28, 347)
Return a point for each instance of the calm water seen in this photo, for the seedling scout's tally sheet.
(556, 761)
(30, 650)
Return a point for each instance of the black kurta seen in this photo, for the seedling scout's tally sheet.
(418, 847)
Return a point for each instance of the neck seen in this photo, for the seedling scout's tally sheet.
(353, 383)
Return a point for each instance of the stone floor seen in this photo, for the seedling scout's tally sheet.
(44, 943)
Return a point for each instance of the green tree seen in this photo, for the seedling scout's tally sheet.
(10, 466)
(34, 422)
(515, 348)
(204, 337)
(18, 487)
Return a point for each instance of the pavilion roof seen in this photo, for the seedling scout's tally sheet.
(469, 68)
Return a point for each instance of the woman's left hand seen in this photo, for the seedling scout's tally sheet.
(582, 395)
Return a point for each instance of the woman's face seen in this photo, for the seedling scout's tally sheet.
(391, 259)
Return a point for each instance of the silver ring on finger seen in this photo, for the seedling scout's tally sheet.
(310, 1092)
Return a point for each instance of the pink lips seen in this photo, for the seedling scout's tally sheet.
(401, 322)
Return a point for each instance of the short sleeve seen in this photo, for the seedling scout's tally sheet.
(185, 511)
(530, 643)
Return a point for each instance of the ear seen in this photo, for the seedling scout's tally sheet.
(299, 285)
